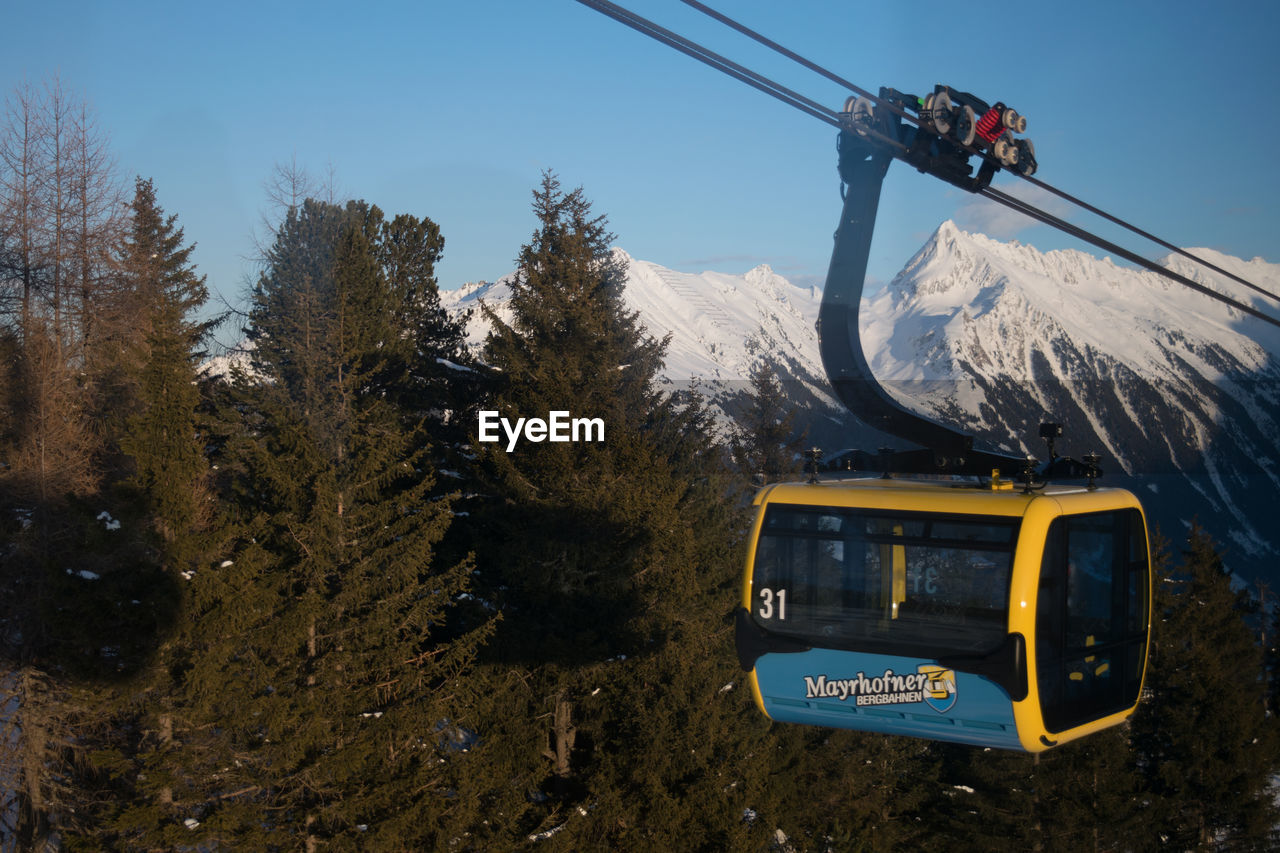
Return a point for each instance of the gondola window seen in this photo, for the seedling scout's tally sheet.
(904, 583)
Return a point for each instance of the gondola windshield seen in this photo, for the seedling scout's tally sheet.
(897, 582)
(1091, 625)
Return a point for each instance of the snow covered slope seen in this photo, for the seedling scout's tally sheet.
(967, 307)
(719, 322)
(720, 326)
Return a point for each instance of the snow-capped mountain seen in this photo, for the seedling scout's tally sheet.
(1180, 394)
(721, 325)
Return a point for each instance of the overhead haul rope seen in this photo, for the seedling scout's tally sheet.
(715, 60)
(835, 78)
(831, 117)
(1076, 231)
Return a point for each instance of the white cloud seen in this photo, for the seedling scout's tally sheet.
(985, 216)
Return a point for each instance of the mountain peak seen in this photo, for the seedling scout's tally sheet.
(948, 230)
(952, 262)
(763, 277)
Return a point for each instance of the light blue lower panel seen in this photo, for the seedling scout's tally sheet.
(886, 694)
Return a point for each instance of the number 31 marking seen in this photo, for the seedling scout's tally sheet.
(766, 607)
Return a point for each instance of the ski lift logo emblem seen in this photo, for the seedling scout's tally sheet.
(940, 689)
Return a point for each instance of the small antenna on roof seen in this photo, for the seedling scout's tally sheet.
(811, 457)
(1049, 432)
(1092, 471)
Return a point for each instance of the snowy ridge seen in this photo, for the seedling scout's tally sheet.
(971, 313)
(982, 291)
(721, 325)
(1179, 393)
(719, 322)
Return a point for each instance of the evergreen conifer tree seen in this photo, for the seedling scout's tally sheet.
(1089, 794)
(623, 725)
(1083, 795)
(845, 790)
(142, 379)
(434, 377)
(98, 580)
(765, 441)
(1270, 614)
(577, 509)
(167, 462)
(318, 698)
(407, 250)
(1204, 744)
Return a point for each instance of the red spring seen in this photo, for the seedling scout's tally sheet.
(990, 126)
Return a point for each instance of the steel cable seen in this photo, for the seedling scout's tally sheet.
(715, 60)
(1078, 232)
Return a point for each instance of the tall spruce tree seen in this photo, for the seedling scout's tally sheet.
(437, 383)
(765, 440)
(167, 462)
(618, 725)
(318, 698)
(105, 580)
(1089, 795)
(1205, 746)
(572, 346)
(143, 378)
(844, 790)
(1080, 796)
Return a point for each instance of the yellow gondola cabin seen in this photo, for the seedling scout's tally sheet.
(990, 615)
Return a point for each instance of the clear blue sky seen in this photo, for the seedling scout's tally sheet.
(1164, 113)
